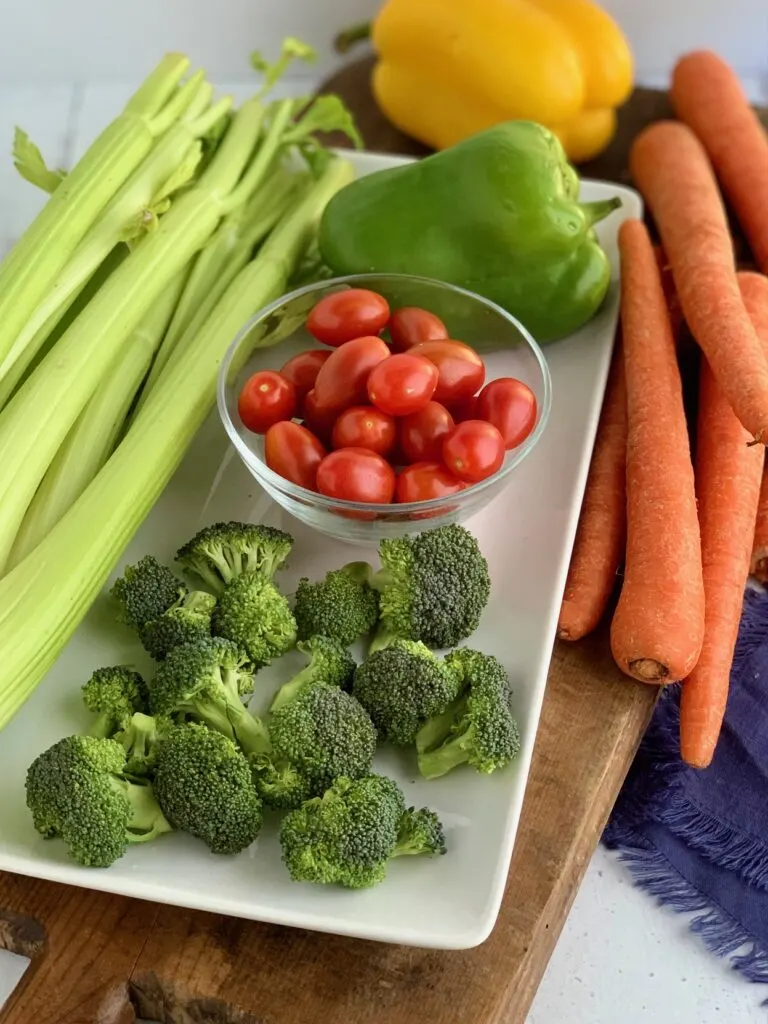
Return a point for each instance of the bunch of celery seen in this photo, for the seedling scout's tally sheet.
(109, 365)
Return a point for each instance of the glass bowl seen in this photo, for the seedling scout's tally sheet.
(507, 348)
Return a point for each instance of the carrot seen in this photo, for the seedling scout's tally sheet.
(658, 626)
(758, 565)
(670, 292)
(728, 476)
(708, 96)
(599, 546)
(672, 171)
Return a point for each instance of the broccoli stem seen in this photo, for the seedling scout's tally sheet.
(360, 572)
(249, 732)
(138, 736)
(434, 763)
(147, 820)
(383, 637)
(290, 691)
(103, 726)
(436, 729)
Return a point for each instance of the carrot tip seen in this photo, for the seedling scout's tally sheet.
(648, 670)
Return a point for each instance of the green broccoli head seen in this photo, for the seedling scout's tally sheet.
(343, 605)
(434, 587)
(77, 790)
(279, 783)
(221, 552)
(319, 736)
(253, 613)
(206, 680)
(330, 663)
(402, 685)
(480, 729)
(145, 591)
(203, 783)
(189, 619)
(347, 835)
(140, 739)
(419, 832)
(114, 694)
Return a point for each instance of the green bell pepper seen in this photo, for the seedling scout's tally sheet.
(498, 214)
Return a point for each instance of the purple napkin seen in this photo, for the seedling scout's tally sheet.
(697, 840)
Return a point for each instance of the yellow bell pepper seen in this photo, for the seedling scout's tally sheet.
(450, 68)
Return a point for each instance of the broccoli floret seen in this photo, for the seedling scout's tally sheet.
(205, 681)
(253, 613)
(329, 663)
(145, 591)
(322, 734)
(343, 605)
(480, 728)
(114, 694)
(77, 790)
(140, 740)
(434, 587)
(402, 685)
(420, 832)
(204, 785)
(189, 619)
(349, 834)
(223, 551)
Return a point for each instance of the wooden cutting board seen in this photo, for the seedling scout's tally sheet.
(96, 958)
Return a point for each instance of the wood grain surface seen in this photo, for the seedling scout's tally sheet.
(96, 958)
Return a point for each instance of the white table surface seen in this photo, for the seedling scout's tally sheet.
(620, 957)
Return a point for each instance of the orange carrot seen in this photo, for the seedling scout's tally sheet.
(758, 565)
(599, 546)
(708, 96)
(671, 169)
(658, 626)
(670, 292)
(728, 476)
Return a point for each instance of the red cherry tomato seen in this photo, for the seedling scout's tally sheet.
(474, 450)
(422, 433)
(302, 370)
(465, 410)
(342, 379)
(363, 426)
(460, 369)
(294, 452)
(356, 474)
(425, 480)
(317, 419)
(510, 406)
(402, 384)
(266, 398)
(409, 325)
(344, 316)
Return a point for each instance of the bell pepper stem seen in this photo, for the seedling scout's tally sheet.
(345, 40)
(600, 209)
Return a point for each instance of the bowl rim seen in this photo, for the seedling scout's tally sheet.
(261, 470)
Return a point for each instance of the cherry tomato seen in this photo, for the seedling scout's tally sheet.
(317, 419)
(465, 410)
(302, 370)
(425, 480)
(402, 384)
(294, 452)
(344, 316)
(363, 426)
(461, 370)
(356, 474)
(510, 406)
(423, 432)
(409, 325)
(342, 379)
(474, 450)
(266, 398)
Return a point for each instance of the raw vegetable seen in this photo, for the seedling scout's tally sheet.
(402, 384)
(498, 214)
(330, 664)
(362, 426)
(266, 398)
(114, 695)
(707, 95)
(510, 406)
(601, 536)
(671, 168)
(759, 563)
(302, 370)
(658, 627)
(409, 325)
(294, 452)
(728, 477)
(345, 315)
(221, 552)
(460, 369)
(145, 591)
(253, 614)
(423, 481)
(421, 434)
(356, 474)
(343, 378)
(473, 451)
(342, 606)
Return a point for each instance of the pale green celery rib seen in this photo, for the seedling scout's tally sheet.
(220, 261)
(92, 439)
(32, 265)
(37, 419)
(45, 597)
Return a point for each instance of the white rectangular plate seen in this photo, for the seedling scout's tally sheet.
(526, 534)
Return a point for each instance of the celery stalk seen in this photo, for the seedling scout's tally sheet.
(38, 417)
(45, 597)
(29, 269)
(92, 439)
